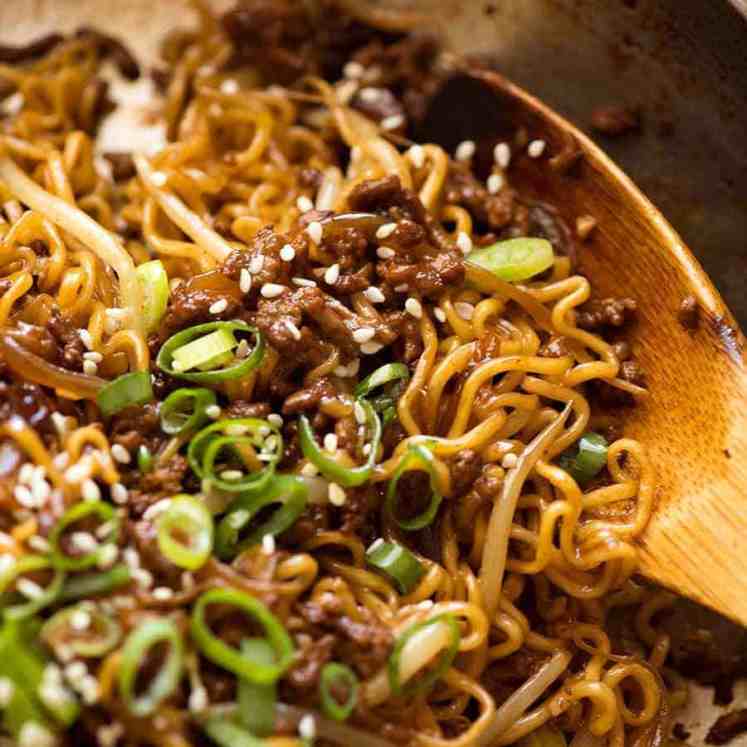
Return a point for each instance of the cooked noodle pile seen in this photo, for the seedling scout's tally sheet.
(189, 540)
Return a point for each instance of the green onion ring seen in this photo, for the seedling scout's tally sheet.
(417, 457)
(74, 514)
(257, 702)
(382, 375)
(85, 585)
(184, 410)
(188, 516)
(29, 564)
(397, 563)
(332, 674)
(125, 391)
(228, 734)
(98, 639)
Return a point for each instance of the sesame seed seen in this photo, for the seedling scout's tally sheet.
(304, 204)
(156, 509)
(416, 154)
(364, 334)
(275, 419)
(131, 557)
(6, 692)
(268, 544)
(360, 413)
(464, 243)
(75, 473)
(61, 460)
(374, 295)
(120, 454)
(439, 314)
(369, 95)
(89, 689)
(119, 493)
(536, 148)
(465, 150)
(7, 561)
(198, 699)
(414, 307)
(90, 490)
(242, 349)
(84, 541)
(392, 122)
(307, 727)
(385, 231)
(353, 69)
(231, 474)
(142, 577)
(385, 252)
(107, 555)
(293, 329)
(108, 735)
(509, 461)
(30, 589)
(495, 183)
(85, 337)
(90, 368)
(256, 263)
(245, 280)
(330, 443)
(33, 734)
(315, 231)
(585, 224)
(40, 544)
(24, 496)
(162, 593)
(219, 306)
(309, 470)
(26, 473)
(159, 178)
(403, 288)
(371, 348)
(464, 310)
(332, 274)
(272, 290)
(229, 86)
(213, 412)
(80, 620)
(287, 253)
(366, 449)
(303, 282)
(92, 355)
(502, 155)
(337, 495)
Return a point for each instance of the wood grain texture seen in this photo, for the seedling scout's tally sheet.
(694, 424)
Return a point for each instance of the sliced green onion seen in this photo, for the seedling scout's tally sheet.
(417, 458)
(231, 436)
(257, 702)
(76, 513)
(125, 391)
(29, 564)
(514, 259)
(184, 410)
(587, 460)
(346, 476)
(135, 650)
(397, 563)
(336, 677)
(185, 532)
(548, 735)
(85, 585)
(444, 661)
(383, 375)
(289, 492)
(227, 734)
(98, 638)
(144, 458)
(155, 284)
(228, 657)
(186, 350)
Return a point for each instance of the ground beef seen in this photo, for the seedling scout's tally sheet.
(113, 49)
(311, 657)
(69, 340)
(555, 347)
(379, 104)
(123, 167)
(465, 469)
(33, 50)
(631, 371)
(463, 188)
(144, 536)
(135, 427)
(308, 398)
(30, 401)
(606, 312)
(615, 120)
(241, 408)
(728, 727)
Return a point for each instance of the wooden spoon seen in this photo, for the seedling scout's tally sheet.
(694, 421)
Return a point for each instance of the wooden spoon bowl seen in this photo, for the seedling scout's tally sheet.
(694, 421)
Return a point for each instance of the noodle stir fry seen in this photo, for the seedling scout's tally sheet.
(305, 425)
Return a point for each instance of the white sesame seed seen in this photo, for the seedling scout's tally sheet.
(7, 561)
(536, 148)
(332, 274)
(256, 263)
(465, 310)
(414, 307)
(33, 734)
(369, 95)
(304, 204)
(24, 496)
(309, 470)
(219, 306)
(386, 230)
(61, 460)
(464, 243)
(231, 474)
(287, 253)
(585, 224)
(371, 348)
(495, 183)
(80, 619)
(120, 454)
(385, 252)
(90, 490)
(416, 154)
(84, 541)
(142, 577)
(360, 413)
(245, 280)
(242, 349)
(374, 295)
(156, 509)
(465, 150)
(502, 155)
(89, 689)
(30, 589)
(198, 699)
(119, 493)
(330, 443)
(40, 544)
(213, 412)
(315, 231)
(402, 288)
(109, 735)
(364, 334)
(307, 727)
(337, 495)
(303, 282)
(162, 593)
(366, 449)
(131, 557)
(392, 122)
(439, 314)
(509, 460)
(92, 355)
(26, 473)
(90, 368)
(293, 329)
(353, 69)
(272, 290)
(159, 178)
(85, 337)
(229, 86)
(107, 555)
(76, 473)
(6, 692)
(268, 544)
(275, 419)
